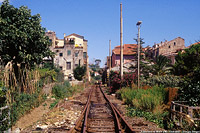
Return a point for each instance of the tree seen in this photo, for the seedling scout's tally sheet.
(79, 72)
(97, 62)
(22, 38)
(188, 62)
(141, 41)
(141, 46)
(161, 66)
(188, 66)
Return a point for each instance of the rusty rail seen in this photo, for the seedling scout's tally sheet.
(86, 113)
(127, 127)
(120, 123)
(79, 120)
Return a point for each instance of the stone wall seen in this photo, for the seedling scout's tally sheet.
(167, 48)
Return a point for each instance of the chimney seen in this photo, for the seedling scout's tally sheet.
(64, 35)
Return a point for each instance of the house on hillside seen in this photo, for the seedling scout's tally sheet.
(71, 51)
(129, 54)
(168, 48)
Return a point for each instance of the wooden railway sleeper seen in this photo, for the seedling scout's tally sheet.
(118, 114)
(115, 112)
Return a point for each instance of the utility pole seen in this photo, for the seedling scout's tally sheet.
(138, 41)
(121, 43)
(109, 55)
(109, 60)
(87, 68)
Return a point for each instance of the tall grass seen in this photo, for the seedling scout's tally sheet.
(61, 91)
(22, 91)
(148, 99)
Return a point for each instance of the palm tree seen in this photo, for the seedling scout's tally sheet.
(162, 65)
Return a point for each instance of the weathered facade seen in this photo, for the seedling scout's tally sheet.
(70, 52)
(169, 48)
(129, 52)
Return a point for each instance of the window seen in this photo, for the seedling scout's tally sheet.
(61, 54)
(174, 43)
(84, 55)
(76, 54)
(68, 65)
(61, 67)
(79, 62)
(57, 51)
(50, 40)
(76, 65)
(68, 52)
(115, 62)
(169, 46)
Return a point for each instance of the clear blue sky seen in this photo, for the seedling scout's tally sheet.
(99, 20)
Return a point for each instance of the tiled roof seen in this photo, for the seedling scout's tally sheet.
(129, 49)
(195, 43)
(73, 34)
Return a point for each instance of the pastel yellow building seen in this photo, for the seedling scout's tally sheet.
(70, 52)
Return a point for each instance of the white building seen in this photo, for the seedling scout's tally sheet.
(71, 51)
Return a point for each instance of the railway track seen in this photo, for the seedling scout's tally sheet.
(100, 115)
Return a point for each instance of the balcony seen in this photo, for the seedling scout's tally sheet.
(70, 41)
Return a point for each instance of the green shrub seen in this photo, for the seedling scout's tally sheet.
(52, 105)
(144, 99)
(79, 72)
(148, 103)
(164, 80)
(67, 84)
(162, 119)
(65, 90)
(3, 92)
(60, 91)
(48, 65)
(190, 91)
(5, 125)
(127, 94)
(4, 114)
(24, 103)
(48, 75)
(98, 77)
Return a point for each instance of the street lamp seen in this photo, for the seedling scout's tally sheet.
(139, 25)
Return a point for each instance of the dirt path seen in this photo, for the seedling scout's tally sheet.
(61, 118)
(36, 113)
(32, 117)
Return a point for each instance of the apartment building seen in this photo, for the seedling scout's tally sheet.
(71, 51)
